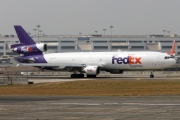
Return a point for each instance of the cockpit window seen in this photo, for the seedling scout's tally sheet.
(167, 57)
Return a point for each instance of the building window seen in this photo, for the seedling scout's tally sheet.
(137, 47)
(67, 41)
(52, 47)
(166, 41)
(48, 41)
(11, 53)
(166, 47)
(118, 41)
(119, 47)
(100, 47)
(67, 47)
(135, 41)
(100, 41)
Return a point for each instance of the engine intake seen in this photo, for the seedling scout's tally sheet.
(92, 70)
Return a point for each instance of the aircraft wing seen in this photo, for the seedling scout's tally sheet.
(53, 65)
(50, 65)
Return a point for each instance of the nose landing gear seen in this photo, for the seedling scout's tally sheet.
(151, 75)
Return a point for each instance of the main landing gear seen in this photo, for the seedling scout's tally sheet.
(91, 76)
(151, 75)
(82, 76)
(77, 75)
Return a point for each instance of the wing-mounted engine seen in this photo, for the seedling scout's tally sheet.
(35, 48)
(92, 70)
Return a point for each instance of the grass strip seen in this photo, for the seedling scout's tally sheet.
(96, 88)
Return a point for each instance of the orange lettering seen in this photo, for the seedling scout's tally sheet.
(138, 60)
(131, 60)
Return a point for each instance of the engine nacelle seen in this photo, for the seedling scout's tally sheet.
(92, 70)
(116, 71)
(42, 47)
(24, 49)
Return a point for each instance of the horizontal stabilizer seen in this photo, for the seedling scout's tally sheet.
(11, 46)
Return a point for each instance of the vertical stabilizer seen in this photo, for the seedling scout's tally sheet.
(23, 36)
(172, 49)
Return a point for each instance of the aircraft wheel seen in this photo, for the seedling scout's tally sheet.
(77, 75)
(81, 75)
(151, 76)
(72, 75)
(91, 76)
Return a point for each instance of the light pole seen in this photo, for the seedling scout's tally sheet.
(40, 31)
(96, 32)
(111, 36)
(38, 26)
(168, 32)
(111, 29)
(80, 33)
(104, 31)
(164, 32)
(34, 32)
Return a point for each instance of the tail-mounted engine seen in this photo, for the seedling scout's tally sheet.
(35, 48)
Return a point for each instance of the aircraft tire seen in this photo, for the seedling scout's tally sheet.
(77, 75)
(72, 75)
(91, 76)
(151, 76)
(81, 75)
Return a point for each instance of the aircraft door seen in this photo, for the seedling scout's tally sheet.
(159, 62)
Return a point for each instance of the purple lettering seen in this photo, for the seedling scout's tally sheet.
(113, 59)
(126, 60)
(119, 60)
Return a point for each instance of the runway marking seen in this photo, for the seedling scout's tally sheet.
(111, 103)
(98, 104)
(88, 104)
(150, 104)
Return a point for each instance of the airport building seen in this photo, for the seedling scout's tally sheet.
(97, 43)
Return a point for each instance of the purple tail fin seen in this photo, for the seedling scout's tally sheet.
(24, 38)
(27, 46)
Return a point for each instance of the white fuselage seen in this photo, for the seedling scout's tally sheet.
(114, 60)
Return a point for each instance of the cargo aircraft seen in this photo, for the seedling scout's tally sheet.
(90, 63)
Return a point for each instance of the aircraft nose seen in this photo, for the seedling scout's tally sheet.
(173, 62)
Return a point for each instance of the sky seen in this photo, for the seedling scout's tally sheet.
(71, 17)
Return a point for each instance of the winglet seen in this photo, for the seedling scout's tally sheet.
(172, 49)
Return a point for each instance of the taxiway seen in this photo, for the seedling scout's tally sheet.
(90, 108)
